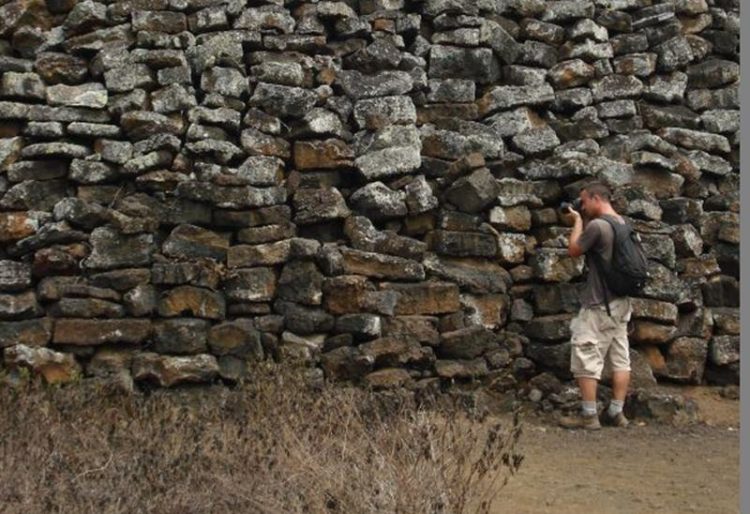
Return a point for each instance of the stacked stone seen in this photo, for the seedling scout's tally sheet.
(188, 186)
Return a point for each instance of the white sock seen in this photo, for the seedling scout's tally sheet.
(615, 407)
(588, 408)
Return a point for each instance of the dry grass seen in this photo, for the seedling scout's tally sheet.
(274, 445)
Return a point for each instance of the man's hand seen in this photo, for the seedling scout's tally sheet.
(569, 217)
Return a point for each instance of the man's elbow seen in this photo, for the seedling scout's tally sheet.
(574, 250)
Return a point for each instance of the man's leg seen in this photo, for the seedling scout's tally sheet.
(586, 365)
(588, 395)
(620, 383)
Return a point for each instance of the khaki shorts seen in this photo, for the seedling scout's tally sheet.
(595, 336)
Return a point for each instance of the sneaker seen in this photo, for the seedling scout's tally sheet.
(580, 421)
(619, 420)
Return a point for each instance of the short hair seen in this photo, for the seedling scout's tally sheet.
(598, 189)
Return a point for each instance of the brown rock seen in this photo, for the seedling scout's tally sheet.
(388, 351)
(425, 297)
(85, 332)
(19, 306)
(190, 241)
(167, 371)
(345, 294)
(55, 367)
(648, 332)
(489, 311)
(461, 369)
(247, 256)
(423, 329)
(388, 378)
(33, 332)
(192, 301)
(239, 338)
(16, 225)
(181, 336)
(686, 360)
(327, 154)
(250, 285)
(372, 264)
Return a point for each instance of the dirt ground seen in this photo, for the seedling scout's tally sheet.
(644, 468)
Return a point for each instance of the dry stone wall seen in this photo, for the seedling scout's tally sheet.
(371, 186)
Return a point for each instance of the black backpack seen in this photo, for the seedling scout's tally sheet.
(627, 273)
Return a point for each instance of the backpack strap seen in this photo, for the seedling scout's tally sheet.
(599, 261)
(599, 267)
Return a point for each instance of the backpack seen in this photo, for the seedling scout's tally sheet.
(627, 273)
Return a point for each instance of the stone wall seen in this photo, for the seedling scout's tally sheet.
(369, 185)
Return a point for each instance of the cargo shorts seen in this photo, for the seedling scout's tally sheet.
(595, 336)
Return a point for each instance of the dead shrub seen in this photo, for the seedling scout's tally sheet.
(276, 444)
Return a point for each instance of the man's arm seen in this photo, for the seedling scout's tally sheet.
(574, 249)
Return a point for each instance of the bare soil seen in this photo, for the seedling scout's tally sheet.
(644, 468)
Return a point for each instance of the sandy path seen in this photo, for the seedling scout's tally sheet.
(646, 468)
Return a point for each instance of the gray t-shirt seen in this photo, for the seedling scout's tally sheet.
(598, 237)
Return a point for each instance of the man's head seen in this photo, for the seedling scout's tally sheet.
(595, 198)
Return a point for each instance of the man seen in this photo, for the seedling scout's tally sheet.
(595, 334)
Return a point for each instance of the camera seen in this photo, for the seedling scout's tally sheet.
(575, 205)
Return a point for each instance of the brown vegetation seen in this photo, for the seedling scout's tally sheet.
(276, 444)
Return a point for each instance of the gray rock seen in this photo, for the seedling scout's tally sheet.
(667, 88)
(261, 171)
(113, 250)
(172, 98)
(283, 101)
(36, 170)
(316, 205)
(14, 276)
(713, 73)
(357, 85)
(419, 196)
(587, 50)
(231, 197)
(22, 85)
(142, 125)
(567, 10)
(673, 54)
(614, 87)
(638, 64)
(695, 140)
(224, 81)
(265, 18)
(726, 98)
(128, 77)
(375, 113)
(721, 120)
(396, 160)
(474, 192)
(571, 73)
(554, 265)
(34, 195)
(478, 64)
(536, 53)
(536, 141)
(159, 21)
(724, 350)
(502, 43)
(377, 201)
(505, 97)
